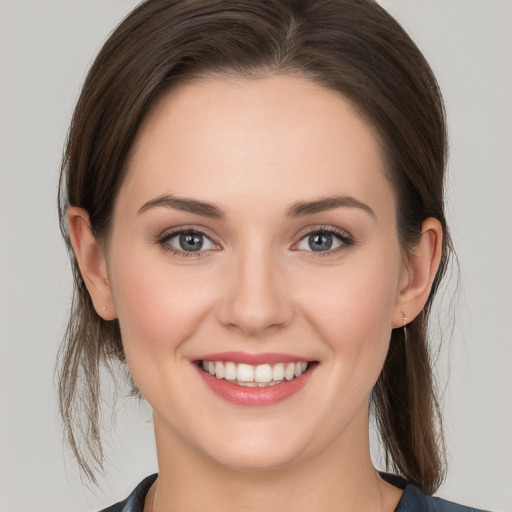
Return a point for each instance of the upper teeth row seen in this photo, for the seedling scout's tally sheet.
(249, 373)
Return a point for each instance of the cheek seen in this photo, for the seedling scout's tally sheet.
(353, 313)
(157, 307)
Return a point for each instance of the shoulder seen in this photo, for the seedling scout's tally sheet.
(413, 500)
(134, 502)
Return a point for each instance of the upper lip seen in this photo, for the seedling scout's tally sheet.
(253, 359)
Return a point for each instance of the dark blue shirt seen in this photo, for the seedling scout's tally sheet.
(413, 500)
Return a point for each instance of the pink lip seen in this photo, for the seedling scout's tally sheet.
(253, 359)
(255, 397)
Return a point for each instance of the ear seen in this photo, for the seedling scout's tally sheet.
(419, 272)
(91, 260)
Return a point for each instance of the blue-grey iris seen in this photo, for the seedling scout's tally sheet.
(320, 241)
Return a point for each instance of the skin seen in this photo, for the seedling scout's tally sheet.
(255, 148)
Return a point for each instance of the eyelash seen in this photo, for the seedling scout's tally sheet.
(342, 236)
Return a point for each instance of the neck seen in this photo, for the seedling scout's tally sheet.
(342, 479)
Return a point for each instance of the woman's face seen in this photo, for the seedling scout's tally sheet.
(256, 231)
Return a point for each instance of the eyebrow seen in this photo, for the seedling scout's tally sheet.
(184, 204)
(298, 209)
(303, 208)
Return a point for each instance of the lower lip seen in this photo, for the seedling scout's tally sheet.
(255, 397)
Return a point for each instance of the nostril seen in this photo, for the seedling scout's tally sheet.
(252, 321)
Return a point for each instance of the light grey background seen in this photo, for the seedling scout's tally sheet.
(45, 48)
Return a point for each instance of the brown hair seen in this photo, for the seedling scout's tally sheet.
(351, 46)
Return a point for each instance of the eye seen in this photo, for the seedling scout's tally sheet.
(324, 240)
(187, 241)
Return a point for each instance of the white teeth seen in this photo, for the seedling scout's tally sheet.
(219, 370)
(289, 371)
(230, 371)
(278, 371)
(261, 375)
(245, 373)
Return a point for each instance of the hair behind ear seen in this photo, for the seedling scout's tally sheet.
(407, 411)
(88, 343)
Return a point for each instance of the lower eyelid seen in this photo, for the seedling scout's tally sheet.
(184, 254)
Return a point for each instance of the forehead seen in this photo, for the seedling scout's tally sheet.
(275, 137)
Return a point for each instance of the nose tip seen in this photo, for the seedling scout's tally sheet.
(256, 300)
(254, 321)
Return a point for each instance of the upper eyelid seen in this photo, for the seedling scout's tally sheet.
(344, 237)
(324, 229)
(171, 232)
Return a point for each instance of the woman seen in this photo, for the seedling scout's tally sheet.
(253, 194)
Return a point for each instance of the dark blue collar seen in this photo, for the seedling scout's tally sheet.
(413, 500)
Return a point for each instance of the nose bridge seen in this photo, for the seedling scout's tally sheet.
(256, 298)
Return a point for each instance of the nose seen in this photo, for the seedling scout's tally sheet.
(256, 298)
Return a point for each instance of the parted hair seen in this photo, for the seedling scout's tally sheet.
(351, 46)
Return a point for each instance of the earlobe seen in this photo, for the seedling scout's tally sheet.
(422, 265)
(91, 260)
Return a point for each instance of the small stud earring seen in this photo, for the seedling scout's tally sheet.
(405, 328)
(104, 308)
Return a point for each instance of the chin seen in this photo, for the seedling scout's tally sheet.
(258, 453)
(255, 461)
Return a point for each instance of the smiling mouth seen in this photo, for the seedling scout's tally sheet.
(252, 376)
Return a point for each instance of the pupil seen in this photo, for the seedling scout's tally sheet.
(191, 242)
(320, 242)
